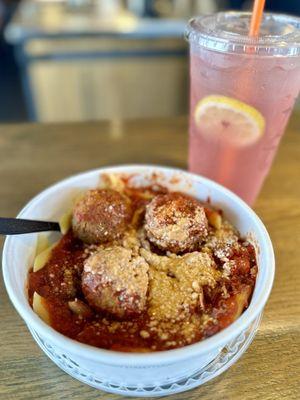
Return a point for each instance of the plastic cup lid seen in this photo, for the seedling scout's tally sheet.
(228, 32)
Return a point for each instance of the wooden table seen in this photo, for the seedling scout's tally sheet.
(35, 156)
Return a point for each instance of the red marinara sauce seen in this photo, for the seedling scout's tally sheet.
(59, 282)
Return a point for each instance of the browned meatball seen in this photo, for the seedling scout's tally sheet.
(175, 222)
(116, 281)
(101, 216)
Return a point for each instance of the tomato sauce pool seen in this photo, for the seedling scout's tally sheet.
(59, 283)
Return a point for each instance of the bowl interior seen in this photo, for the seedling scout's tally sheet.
(19, 251)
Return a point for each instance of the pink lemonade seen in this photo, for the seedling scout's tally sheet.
(253, 88)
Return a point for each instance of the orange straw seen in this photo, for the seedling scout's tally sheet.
(257, 13)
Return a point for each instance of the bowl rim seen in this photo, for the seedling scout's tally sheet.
(165, 357)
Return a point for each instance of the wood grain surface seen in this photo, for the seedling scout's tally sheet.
(35, 156)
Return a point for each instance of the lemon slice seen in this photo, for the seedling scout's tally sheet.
(229, 120)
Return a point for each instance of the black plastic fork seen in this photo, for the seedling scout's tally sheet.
(17, 226)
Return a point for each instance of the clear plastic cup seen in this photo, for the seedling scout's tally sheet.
(242, 92)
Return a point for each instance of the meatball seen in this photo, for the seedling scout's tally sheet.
(101, 216)
(175, 222)
(115, 281)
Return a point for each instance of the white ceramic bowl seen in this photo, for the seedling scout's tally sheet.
(120, 372)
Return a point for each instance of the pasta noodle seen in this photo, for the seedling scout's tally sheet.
(215, 219)
(242, 299)
(137, 216)
(113, 181)
(42, 244)
(65, 222)
(42, 258)
(39, 308)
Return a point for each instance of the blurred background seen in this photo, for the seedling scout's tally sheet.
(77, 60)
